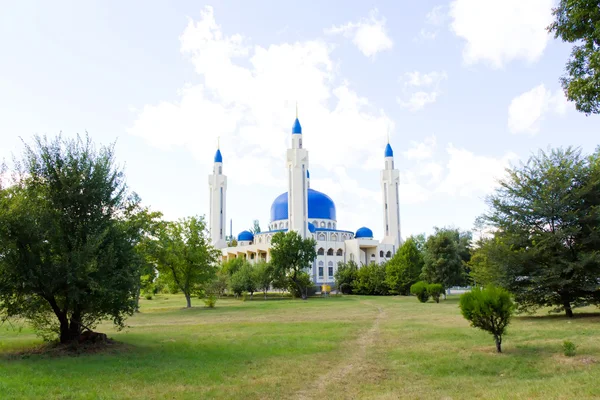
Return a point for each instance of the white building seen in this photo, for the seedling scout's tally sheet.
(312, 214)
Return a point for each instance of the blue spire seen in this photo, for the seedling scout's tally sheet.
(307, 174)
(297, 128)
(388, 151)
(218, 156)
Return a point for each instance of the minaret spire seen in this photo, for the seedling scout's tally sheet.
(390, 182)
(297, 171)
(217, 186)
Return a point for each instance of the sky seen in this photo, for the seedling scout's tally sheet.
(462, 89)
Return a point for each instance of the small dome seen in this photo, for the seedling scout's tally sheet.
(388, 151)
(245, 236)
(364, 233)
(218, 156)
(311, 227)
(297, 128)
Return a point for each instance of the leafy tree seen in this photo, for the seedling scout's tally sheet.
(419, 289)
(488, 309)
(67, 249)
(345, 276)
(546, 213)
(404, 269)
(255, 227)
(578, 21)
(230, 267)
(263, 276)
(435, 290)
(219, 284)
(185, 256)
(244, 280)
(483, 270)
(290, 256)
(445, 252)
(299, 289)
(370, 280)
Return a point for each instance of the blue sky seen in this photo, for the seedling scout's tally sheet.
(463, 88)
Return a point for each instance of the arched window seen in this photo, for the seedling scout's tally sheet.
(334, 237)
(260, 239)
(321, 269)
(252, 256)
(330, 252)
(372, 255)
(388, 254)
(329, 225)
(321, 251)
(381, 253)
(269, 239)
(334, 225)
(315, 223)
(351, 257)
(322, 236)
(339, 253)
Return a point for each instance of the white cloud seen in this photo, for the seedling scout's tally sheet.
(415, 84)
(247, 97)
(368, 34)
(421, 150)
(434, 19)
(527, 110)
(497, 32)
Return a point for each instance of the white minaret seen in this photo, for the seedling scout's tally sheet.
(297, 169)
(217, 185)
(390, 182)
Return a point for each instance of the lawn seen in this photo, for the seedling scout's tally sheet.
(339, 347)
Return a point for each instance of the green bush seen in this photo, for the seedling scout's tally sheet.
(435, 290)
(210, 301)
(488, 309)
(419, 289)
(148, 296)
(569, 348)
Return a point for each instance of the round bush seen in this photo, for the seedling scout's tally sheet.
(419, 289)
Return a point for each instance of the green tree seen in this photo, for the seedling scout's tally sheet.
(435, 290)
(419, 289)
(67, 249)
(488, 309)
(218, 285)
(263, 276)
(345, 276)
(484, 271)
(445, 252)
(230, 267)
(546, 213)
(184, 255)
(404, 269)
(578, 21)
(370, 280)
(244, 280)
(290, 256)
(255, 227)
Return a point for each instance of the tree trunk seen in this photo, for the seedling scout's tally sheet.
(498, 340)
(568, 309)
(188, 299)
(65, 333)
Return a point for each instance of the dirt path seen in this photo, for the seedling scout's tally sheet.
(353, 363)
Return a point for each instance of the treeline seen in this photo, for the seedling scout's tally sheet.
(441, 259)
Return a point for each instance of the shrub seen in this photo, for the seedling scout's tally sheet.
(569, 348)
(488, 309)
(148, 296)
(435, 290)
(419, 289)
(210, 301)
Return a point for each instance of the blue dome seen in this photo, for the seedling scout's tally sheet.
(319, 206)
(245, 236)
(364, 233)
(218, 156)
(388, 151)
(297, 128)
(311, 227)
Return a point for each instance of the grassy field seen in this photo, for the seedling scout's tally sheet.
(340, 347)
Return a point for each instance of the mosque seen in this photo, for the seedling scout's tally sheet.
(312, 214)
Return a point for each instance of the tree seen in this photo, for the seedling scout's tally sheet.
(230, 267)
(488, 309)
(345, 276)
(255, 227)
(443, 258)
(290, 256)
(67, 250)
(184, 255)
(404, 269)
(419, 289)
(218, 285)
(244, 280)
(370, 280)
(263, 276)
(483, 270)
(435, 290)
(546, 215)
(578, 21)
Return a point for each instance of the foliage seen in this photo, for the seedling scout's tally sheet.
(255, 227)
(244, 280)
(210, 301)
(232, 243)
(435, 290)
(546, 215)
(345, 276)
(370, 280)
(445, 257)
(230, 267)
(419, 289)
(219, 284)
(263, 276)
(569, 348)
(291, 256)
(404, 269)
(184, 255)
(578, 21)
(483, 270)
(303, 287)
(67, 246)
(488, 309)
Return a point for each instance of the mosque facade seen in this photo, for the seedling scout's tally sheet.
(312, 214)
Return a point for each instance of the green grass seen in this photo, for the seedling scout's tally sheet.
(339, 347)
